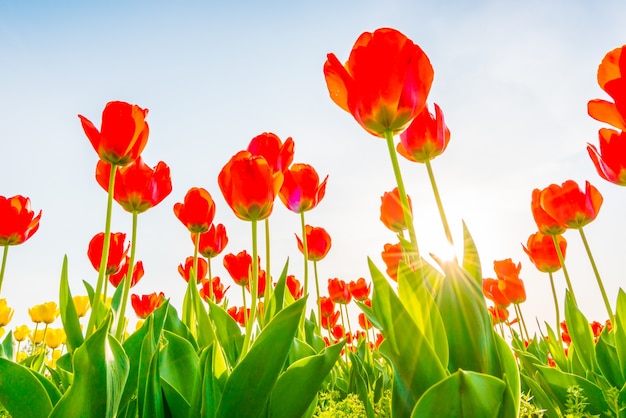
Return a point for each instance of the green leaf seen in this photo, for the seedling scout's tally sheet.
(206, 334)
(581, 334)
(21, 392)
(152, 405)
(132, 346)
(619, 330)
(176, 326)
(556, 349)
(471, 261)
(100, 367)
(69, 318)
(540, 398)
(276, 301)
(178, 369)
(511, 376)
(249, 386)
(297, 387)
(227, 332)
(462, 394)
(606, 355)
(6, 349)
(207, 390)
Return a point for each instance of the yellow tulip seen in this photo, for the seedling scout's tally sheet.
(21, 332)
(6, 313)
(52, 362)
(81, 303)
(1, 332)
(36, 337)
(21, 355)
(46, 313)
(55, 337)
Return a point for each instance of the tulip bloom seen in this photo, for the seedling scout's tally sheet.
(262, 282)
(364, 322)
(239, 267)
(426, 137)
(81, 304)
(137, 186)
(318, 243)
(6, 313)
(392, 256)
(391, 212)
(611, 80)
(385, 82)
(238, 314)
(570, 206)
(17, 221)
(542, 252)
(138, 272)
(360, 290)
(249, 186)
(117, 253)
(338, 291)
(278, 155)
(301, 190)
(123, 134)
(144, 305)
(45, 312)
(21, 332)
(492, 291)
(213, 287)
(509, 283)
(545, 223)
(610, 161)
(294, 286)
(55, 337)
(212, 242)
(498, 314)
(197, 210)
(185, 269)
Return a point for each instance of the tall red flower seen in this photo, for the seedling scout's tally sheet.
(213, 287)
(301, 190)
(213, 241)
(360, 290)
(392, 255)
(137, 186)
(338, 291)
(17, 221)
(492, 291)
(144, 305)
(542, 252)
(249, 186)
(426, 137)
(294, 286)
(611, 72)
(123, 134)
(185, 269)
(239, 267)
(385, 82)
(391, 213)
(509, 283)
(545, 223)
(278, 155)
(138, 272)
(262, 282)
(117, 252)
(570, 206)
(610, 161)
(197, 211)
(318, 243)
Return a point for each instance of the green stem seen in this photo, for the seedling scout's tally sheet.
(348, 319)
(556, 308)
(305, 251)
(208, 263)
(319, 302)
(97, 297)
(121, 320)
(268, 276)
(518, 309)
(254, 283)
(559, 254)
(442, 214)
(4, 264)
(598, 279)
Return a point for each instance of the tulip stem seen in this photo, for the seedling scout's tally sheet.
(556, 308)
(4, 264)
(127, 282)
(97, 297)
(598, 279)
(268, 276)
(319, 302)
(208, 263)
(305, 251)
(442, 213)
(253, 290)
(559, 254)
(408, 217)
(518, 312)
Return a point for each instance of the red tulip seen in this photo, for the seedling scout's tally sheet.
(492, 291)
(117, 253)
(385, 82)
(239, 267)
(498, 314)
(137, 186)
(364, 322)
(301, 190)
(17, 221)
(249, 186)
(123, 134)
(330, 321)
(426, 137)
(392, 255)
(338, 291)
(262, 282)
(391, 213)
(545, 223)
(238, 314)
(138, 272)
(318, 243)
(611, 79)
(294, 286)
(338, 332)
(197, 211)
(542, 252)
(214, 288)
(185, 269)
(212, 242)
(146, 304)
(610, 161)
(360, 290)
(327, 306)
(278, 155)
(570, 206)
(509, 283)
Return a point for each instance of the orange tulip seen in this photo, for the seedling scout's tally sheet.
(509, 283)
(294, 286)
(239, 267)
(492, 291)
(212, 242)
(249, 186)
(385, 82)
(318, 243)
(213, 287)
(137, 186)
(17, 221)
(542, 252)
(117, 253)
(237, 313)
(426, 137)
(610, 161)
(611, 79)
(360, 290)
(338, 291)
(185, 269)
(498, 314)
(392, 255)
(545, 223)
(391, 213)
(123, 134)
(278, 155)
(301, 190)
(570, 206)
(197, 211)
(146, 304)
(138, 272)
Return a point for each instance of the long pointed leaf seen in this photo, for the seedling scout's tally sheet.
(21, 393)
(71, 325)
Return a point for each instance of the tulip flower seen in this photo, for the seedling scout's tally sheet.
(318, 243)
(21, 332)
(385, 82)
(45, 312)
(144, 305)
(611, 80)
(610, 161)
(426, 137)
(81, 304)
(137, 186)
(542, 252)
(338, 291)
(392, 255)
(197, 211)
(17, 221)
(123, 134)
(138, 272)
(301, 190)
(262, 284)
(55, 337)
(185, 269)
(498, 314)
(238, 314)
(249, 186)
(6, 313)
(328, 306)
(117, 253)
(278, 155)
(545, 223)
(294, 286)
(212, 242)
(364, 322)
(239, 267)
(570, 206)
(213, 287)
(328, 322)
(492, 291)
(360, 290)
(391, 211)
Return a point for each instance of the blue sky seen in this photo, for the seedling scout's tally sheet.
(513, 80)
